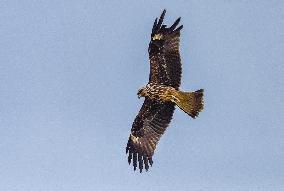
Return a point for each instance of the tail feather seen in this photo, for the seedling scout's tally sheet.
(190, 102)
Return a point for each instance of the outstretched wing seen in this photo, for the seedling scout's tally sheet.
(165, 62)
(147, 129)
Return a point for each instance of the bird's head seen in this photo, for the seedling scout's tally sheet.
(141, 92)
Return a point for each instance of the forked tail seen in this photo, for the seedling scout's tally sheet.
(190, 102)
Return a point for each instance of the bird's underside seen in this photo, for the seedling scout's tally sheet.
(190, 102)
(161, 95)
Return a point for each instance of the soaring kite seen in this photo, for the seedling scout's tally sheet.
(161, 94)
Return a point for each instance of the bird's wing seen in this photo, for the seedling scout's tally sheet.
(147, 129)
(165, 62)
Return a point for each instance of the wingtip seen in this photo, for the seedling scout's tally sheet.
(155, 22)
(179, 28)
(172, 28)
(161, 19)
(200, 90)
(163, 14)
(151, 161)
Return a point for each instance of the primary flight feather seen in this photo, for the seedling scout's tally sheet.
(161, 94)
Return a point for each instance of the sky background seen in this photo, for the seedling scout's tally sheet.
(70, 71)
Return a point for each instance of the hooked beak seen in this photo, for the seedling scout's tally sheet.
(139, 96)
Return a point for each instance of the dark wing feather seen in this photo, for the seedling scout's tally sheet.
(147, 129)
(165, 62)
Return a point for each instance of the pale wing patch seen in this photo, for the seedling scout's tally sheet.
(157, 37)
(134, 139)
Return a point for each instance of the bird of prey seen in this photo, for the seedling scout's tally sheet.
(161, 94)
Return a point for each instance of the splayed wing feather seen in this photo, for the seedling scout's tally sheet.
(175, 24)
(161, 19)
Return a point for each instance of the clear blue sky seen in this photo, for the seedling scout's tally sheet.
(69, 73)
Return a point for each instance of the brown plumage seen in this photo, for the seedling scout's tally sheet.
(161, 95)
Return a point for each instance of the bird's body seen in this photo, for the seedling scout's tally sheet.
(161, 94)
(187, 101)
(158, 92)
